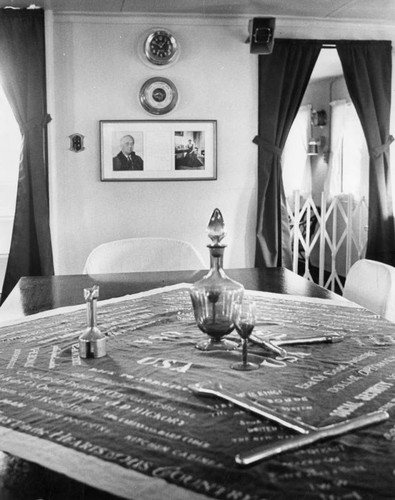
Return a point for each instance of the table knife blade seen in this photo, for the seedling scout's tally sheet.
(297, 442)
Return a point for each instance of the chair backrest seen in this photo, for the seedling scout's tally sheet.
(143, 254)
(371, 284)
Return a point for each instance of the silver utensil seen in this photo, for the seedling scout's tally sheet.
(310, 433)
(327, 339)
(266, 451)
(215, 389)
(269, 345)
(274, 345)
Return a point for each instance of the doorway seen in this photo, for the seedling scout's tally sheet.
(325, 164)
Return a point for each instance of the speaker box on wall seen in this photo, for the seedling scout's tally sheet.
(261, 30)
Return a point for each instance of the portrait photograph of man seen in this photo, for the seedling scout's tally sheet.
(127, 158)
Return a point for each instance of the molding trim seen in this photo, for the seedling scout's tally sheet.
(231, 20)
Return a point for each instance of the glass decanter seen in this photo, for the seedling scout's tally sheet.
(215, 295)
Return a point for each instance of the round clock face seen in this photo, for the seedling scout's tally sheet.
(161, 47)
(158, 96)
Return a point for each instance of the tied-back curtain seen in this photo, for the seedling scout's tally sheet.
(367, 68)
(283, 78)
(22, 74)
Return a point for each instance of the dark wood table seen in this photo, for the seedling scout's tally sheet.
(20, 479)
(36, 294)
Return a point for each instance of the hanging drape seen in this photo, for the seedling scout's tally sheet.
(22, 74)
(283, 78)
(367, 68)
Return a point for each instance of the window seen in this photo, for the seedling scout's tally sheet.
(349, 162)
(295, 162)
(10, 147)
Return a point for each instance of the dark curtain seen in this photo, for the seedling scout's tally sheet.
(367, 67)
(283, 78)
(22, 74)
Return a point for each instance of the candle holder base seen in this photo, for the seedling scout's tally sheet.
(92, 347)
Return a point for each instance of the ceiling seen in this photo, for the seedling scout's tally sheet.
(364, 10)
(328, 64)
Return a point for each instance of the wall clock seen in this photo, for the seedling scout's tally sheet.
(158, 96)
(160, 47)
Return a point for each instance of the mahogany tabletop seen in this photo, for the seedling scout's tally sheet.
(36, 294)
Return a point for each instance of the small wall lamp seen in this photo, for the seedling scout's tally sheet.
(316, 146)
(312, 148)
(319, 118)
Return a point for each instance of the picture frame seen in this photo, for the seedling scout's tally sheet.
(158, 150)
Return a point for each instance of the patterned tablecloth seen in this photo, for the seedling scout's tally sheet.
(129, 424)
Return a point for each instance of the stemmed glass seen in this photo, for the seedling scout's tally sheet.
(244, 319)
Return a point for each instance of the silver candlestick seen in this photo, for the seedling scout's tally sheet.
(92, 343)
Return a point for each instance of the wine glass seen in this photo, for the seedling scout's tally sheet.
(244, 319)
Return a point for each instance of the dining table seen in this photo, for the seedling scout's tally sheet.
(157, 418)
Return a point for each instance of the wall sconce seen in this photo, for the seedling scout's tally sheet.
(312, 148)
(316, 146)
(76, 143)
(319, 118)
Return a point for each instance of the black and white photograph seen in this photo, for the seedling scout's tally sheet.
(125, 156)
(197, 250)
(150, 150)
(189, 150)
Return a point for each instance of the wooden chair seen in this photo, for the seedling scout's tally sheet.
(143, 254)
(371, 284)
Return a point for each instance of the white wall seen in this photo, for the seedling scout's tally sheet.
(95, 73)
(97, 76)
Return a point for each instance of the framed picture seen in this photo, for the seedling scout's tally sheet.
(158, 150)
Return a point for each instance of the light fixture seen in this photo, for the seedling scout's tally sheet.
(312, 148)
(316, 146)
(318, 118)
(261, 35)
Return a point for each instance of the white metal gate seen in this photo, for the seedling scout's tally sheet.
(327, 239)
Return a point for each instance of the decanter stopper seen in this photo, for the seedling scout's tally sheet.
(216, 227)
(92, 343)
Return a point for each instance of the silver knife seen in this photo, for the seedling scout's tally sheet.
(273, 345)
(215, 389)
(295, 443)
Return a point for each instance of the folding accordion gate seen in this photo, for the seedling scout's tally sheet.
(327, 239)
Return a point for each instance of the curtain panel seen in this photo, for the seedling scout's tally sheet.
(22, 75)
(367, 68)
(283, 78)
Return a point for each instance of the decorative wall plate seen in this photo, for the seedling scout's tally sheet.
(158, 96)
(160, 47)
